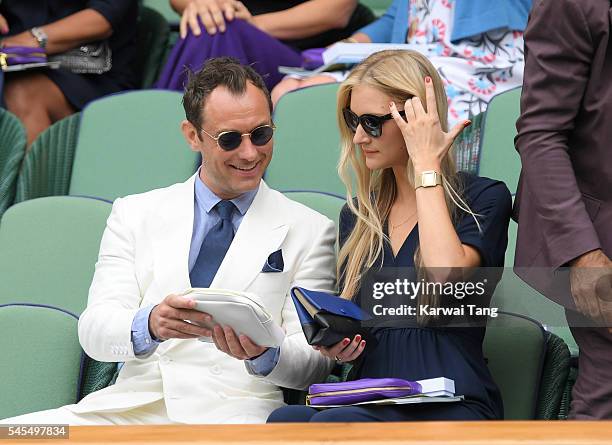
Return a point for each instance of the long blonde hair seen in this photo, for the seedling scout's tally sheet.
(399, 74)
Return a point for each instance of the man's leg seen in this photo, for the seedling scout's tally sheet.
(151, 414)
(592, 393)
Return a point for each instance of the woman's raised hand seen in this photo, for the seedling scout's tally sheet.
(426, 142)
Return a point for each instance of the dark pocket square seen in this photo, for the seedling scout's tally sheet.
(274, 263)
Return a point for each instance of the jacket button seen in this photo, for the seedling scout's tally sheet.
(215, 369)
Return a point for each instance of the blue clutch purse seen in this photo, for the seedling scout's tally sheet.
(327, 319)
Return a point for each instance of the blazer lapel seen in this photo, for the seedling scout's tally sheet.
(172, 239)
(261, 232)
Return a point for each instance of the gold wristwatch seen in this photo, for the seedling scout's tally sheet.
(429, 178)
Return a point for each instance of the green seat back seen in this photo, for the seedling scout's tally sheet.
(131, 143)
(324, 203)
(12, 149)
(48, 250)
(307, 142)
(498, 158)
(47, 166)
(152, 41)
(40, 359)
(515, 348)
(377, 6)
(164, 8)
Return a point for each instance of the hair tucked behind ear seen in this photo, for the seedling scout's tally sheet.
(400, 74)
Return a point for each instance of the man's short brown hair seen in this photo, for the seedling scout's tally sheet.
(221, 71)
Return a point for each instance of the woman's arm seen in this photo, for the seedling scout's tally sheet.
(427, 145)
(67, 33)
(307, 19)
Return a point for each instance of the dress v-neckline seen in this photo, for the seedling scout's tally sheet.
(411, 234)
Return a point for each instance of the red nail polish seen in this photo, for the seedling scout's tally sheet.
(346, 341)
(467, 123)
(428, 79)
(358, 338)
(362, 343)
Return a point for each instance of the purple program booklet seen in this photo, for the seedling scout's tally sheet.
(380, 391)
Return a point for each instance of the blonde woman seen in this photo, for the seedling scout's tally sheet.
(392, 112)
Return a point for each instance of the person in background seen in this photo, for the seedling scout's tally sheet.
(392, 113)
(41, 97)
(476, 46)
(266, 34)
(564, 200)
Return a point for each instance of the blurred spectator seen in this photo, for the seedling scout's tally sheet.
(266, 34)
(41, 97)
(476, 46)
(564, 199)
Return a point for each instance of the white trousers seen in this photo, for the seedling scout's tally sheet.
(152, 414)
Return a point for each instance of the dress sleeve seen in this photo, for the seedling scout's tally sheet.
(492, 205)
(112, 10)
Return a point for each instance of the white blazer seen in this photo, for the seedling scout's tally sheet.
(143, 258)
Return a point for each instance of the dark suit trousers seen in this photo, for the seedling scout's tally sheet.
(592, 394)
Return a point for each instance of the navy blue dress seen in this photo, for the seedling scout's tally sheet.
(79, 89)
(416, 353)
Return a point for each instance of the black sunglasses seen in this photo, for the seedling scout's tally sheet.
(371, 123)
(231, 140)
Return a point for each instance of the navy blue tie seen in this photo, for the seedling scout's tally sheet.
(214, 247)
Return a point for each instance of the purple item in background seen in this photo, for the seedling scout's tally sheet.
(240, 40)
(17, 55)
(312, 58)
(362, 390)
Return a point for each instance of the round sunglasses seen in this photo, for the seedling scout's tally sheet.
(231, 140)
(371, 123)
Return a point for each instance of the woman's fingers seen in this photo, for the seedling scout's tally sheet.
(4, 28)
(457, 129)
(417, 106)
(357, 352)
(396, 116)
(430, 97)
(349, 349)
(218, 20)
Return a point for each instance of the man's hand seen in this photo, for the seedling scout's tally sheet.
(170, 319)
(591, 286)
(213, 14)
(240, 347)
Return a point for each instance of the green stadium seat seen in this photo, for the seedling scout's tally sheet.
(122, 144)
(41, 356)
(48, 250)
(498, 159)
(152, 42)
(306, 142)
(378, 7)
(529, 365)
(164, 8)
(324, 203)
(12, 150)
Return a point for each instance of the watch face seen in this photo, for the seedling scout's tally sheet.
(429, 179)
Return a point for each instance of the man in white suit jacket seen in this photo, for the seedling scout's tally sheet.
(145, 260)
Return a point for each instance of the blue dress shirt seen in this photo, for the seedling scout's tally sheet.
(205, 217)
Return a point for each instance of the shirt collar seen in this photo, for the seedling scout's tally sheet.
(206, 199)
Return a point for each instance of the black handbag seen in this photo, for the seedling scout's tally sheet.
(327, 319)
(91, 58)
